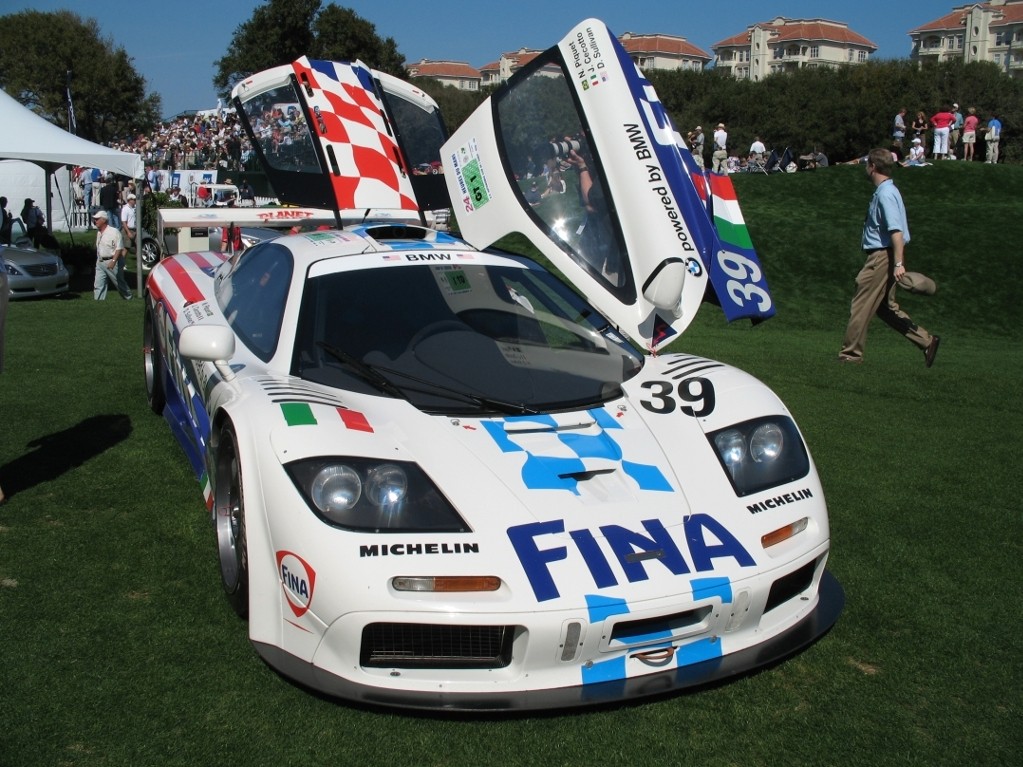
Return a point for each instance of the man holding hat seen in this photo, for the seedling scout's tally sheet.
(885, 235)
(109, 259)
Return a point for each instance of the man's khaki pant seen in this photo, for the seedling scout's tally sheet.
(875, 294)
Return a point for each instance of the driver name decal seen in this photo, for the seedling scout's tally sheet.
(586, 60)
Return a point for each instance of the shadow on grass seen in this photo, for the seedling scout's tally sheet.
(54, 454)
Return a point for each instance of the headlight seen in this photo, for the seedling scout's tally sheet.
(371, 495)
(11, 269)
(760, 454)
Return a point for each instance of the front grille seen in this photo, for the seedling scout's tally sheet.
(788, 586)
(418, 645)
(40, 270)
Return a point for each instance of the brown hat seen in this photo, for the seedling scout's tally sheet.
(915, 282)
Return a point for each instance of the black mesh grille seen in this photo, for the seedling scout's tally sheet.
(416, 645)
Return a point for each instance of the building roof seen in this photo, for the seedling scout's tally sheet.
(1009, 13)
(668, 45)
(521, 57)
(792, 30)
(442, 69)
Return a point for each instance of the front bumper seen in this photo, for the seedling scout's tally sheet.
(812, 626)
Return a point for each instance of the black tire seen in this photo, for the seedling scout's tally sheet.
(229, 521)
(150, 253)
(152, 363)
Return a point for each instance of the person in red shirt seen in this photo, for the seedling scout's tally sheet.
(942, 123)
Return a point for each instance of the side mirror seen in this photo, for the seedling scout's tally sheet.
(210, 343)
(664, 287)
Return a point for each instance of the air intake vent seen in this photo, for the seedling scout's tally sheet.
(416, 645)
(641, 632)
(788, 586)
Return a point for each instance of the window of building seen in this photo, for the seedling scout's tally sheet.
(815, 51)
(861, 56)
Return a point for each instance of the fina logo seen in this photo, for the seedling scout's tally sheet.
(298, 580)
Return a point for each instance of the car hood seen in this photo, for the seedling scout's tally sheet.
(536, 484)
(25, 257)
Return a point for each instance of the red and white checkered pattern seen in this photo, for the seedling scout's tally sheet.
(371, 174)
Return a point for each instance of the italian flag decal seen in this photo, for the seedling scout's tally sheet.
(301, 414)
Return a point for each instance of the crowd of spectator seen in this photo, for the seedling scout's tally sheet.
(208, 141)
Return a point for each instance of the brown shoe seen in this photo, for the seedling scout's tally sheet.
(931, 351)
(853, 360)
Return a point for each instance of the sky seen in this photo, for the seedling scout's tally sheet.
(175, 45)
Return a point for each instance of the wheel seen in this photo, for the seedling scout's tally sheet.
(150, 253)
(152, 363)
(229, 519)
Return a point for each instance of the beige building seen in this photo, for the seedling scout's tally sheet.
(455, 73)
(651, 52)
(991, 31)
(785, 44)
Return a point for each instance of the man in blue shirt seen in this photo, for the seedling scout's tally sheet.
(994, 135)
(885, 236)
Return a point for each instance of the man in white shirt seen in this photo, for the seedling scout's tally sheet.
(128, 221)
(757, 150)
(109, 259)
(719, 160)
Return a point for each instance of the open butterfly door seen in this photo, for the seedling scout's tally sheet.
(577, 153)
(340, 136)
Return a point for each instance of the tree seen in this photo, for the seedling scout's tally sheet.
(281, 31)
(342, 35)
(278, 33)
(41, 54)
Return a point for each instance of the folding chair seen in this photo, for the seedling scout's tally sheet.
(772, 162)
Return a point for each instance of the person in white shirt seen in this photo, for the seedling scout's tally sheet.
(719, 160)
(109, 259)
(128, 221)
(757, 150)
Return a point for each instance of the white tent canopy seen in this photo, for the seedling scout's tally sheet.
(27, 136)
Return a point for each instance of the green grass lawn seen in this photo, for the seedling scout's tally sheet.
(117, 647)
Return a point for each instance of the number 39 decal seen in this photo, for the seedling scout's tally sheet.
(695, 395)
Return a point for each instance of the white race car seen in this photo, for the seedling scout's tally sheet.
(441, 478)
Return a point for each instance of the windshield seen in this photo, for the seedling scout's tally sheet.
(460, 338)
